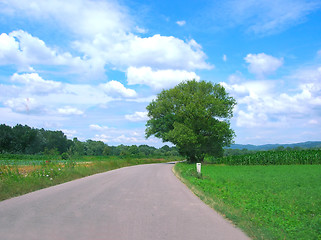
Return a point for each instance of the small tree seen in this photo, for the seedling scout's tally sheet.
(193, 116)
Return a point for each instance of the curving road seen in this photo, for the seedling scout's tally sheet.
(136, 203)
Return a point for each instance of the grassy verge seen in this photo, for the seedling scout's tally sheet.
(267, 202)
(20, 176)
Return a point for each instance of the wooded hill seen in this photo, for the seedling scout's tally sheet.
(303, 145)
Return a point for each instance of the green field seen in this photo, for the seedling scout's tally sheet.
(309, 156)
(20, 174)
(267, 202)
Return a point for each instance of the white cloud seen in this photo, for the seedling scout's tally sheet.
(255, 89)
(8, 49)
(83, 17)
(47, 96)
(140, 30)
(36, 84)
(69, 133)
(104, 30)
(24, 50)
(98, 127)
(158, 52)
(126, 139)
(266, 17)
(319, 53)
(81, 94)
(263, 104)
(137, 117)
(67, 110)
(181, 23)
(308, 75)
(236, 77)
(224, 58)
(262, 64)
(24, 105)
(115, 88)
(250, 119)
(313, 121)
(158, 79)
(121, 139)
(12, 118)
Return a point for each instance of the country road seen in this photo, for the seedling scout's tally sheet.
(145, 202)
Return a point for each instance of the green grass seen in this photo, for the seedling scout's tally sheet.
(26, 174)
(267, 202)
(309, 156)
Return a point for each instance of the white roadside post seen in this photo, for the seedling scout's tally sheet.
(198, 168)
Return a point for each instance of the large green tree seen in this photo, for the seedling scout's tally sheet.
(195, 117)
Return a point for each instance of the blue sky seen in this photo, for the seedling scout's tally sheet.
(90, 67)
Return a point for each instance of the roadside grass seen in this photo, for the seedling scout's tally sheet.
(266, 202)
(26, 174)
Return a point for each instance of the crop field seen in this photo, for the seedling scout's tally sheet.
(20, 174)
(267, 202)
(271, 158)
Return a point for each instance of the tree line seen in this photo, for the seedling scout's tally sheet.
(26, 140)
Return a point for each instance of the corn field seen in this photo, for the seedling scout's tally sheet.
(271, 158)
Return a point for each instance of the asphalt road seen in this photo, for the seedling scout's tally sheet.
(136, 203)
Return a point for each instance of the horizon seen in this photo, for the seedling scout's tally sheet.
(90, 68)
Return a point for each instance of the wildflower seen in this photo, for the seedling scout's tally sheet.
(50, 179)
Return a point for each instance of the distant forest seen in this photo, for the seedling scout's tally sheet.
(26, 140)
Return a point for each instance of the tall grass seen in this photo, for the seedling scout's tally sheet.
(271, 158)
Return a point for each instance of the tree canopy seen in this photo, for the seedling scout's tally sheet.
(195, 117)
(26, 140)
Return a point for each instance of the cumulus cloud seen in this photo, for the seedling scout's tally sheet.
(158, 79)
(262, 64)
(52, 94)
(251, 88)
(104, 36)
(263, 104)
(24, 50)
(36, 84)
(115, 88)
(68, 110)
(158, 52)
(137, 117)
(24, 105)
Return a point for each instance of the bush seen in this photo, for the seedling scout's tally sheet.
(65, 156)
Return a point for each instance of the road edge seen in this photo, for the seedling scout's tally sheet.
(206, 200)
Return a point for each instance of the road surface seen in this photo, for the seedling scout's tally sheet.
(134, 203)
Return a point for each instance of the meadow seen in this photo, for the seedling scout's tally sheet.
(20, 174)
(266, 202)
